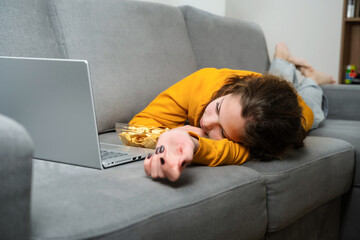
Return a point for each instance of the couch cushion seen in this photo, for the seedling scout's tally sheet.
(70, 202)
(350, 225)
(25, 29)
(305, 179)
(135, 51)
(343, 101)
(226, 43)
(321, 224)
(346, 130)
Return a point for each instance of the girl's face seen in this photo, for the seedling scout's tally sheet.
(222, 119)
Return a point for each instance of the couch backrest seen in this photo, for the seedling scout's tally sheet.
(341, 99)
(25, 29)
(135, 51)
(222, 42)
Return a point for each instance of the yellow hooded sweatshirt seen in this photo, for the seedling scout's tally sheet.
(185, 101)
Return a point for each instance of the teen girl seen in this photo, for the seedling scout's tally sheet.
(234, 115)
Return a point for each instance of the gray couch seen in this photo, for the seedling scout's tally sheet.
(312, 193)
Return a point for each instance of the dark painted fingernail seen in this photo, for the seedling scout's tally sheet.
(149, 155)
(162, 148)
(162, 161)
(183, 164)
(157, 150)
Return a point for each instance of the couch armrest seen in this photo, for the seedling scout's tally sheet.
(344, 101)
(16, 149)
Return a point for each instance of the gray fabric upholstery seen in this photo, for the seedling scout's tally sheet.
(25, 29)
(16, 151)
(350, 229)
(110, 137)
(348, 131)
(344, 105)
(225, 43)
(305, 179)
(71, 202)
(343, 101)
(135, 51)
(320, 224)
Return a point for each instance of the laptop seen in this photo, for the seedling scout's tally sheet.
(53, 100)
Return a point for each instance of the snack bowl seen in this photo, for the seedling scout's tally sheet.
(138, 135)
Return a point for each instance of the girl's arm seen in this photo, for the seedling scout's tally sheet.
(170, 108)
(219, 152)
(178, 148)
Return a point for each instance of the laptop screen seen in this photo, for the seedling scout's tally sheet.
(52, 99)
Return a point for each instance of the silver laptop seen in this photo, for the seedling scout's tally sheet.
(52, 99)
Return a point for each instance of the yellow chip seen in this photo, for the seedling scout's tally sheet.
(141, 136)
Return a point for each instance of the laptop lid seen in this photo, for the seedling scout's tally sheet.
(52, 99)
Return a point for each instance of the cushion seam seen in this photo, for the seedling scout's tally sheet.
(61, 39)
(184, 11)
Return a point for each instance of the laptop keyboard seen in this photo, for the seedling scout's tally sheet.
(108, 154)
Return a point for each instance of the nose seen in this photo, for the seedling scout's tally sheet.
(211, 123)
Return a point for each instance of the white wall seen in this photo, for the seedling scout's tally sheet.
(213, 6)
(311, 28)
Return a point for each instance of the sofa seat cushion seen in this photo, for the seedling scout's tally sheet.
(225, 42)
(305, 179)
(70, 202)
(135, 51)
(347, 130)
(343, 129)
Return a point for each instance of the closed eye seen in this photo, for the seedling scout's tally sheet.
(218, 112)
(217, 108)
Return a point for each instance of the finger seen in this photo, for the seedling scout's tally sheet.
(147, 164)
(172, 164)
(158, 173)
(161, 173)
(155, 165)
(162, 163)
(160, 151)
(172, 172)
(188, 155)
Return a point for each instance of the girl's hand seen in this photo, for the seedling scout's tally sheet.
(197, 130)
(174, 150)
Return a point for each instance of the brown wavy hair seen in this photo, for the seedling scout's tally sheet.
(273, 117)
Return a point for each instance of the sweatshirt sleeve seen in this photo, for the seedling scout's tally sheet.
(169, 108)
(220, 152)
(307, 114)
